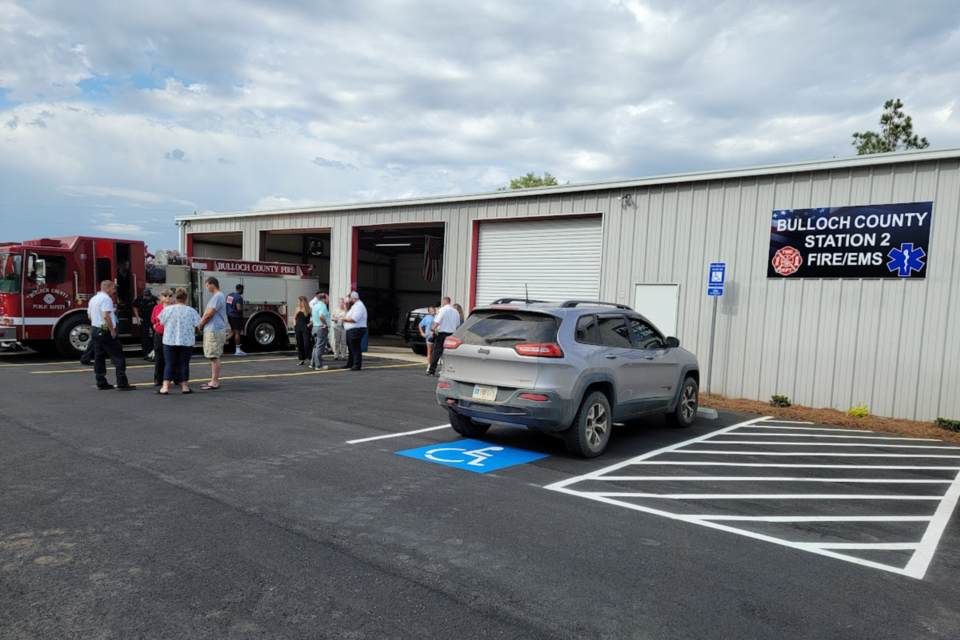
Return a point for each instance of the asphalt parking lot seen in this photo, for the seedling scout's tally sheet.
(300, 504)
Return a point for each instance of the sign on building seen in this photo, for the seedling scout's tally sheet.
(877, 241)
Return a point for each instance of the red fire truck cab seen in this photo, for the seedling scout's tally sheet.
(45, 285)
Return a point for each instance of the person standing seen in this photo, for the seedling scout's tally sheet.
(143, 308)
(320, 320)
(339, 331)
(356, 319)
(235, 317)
(301, 329)
(444, 324)
(159, 362)
(179, 323)
(214, 325)
(460, 311)
(104, 320)
(426, 330)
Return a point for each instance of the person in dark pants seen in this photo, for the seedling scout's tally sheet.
(179, 336)
(105, 341)
(446, 322)
(356, 323)
(166, 299)
(143, 311)
(301, 329)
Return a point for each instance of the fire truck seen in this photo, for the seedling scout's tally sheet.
(45, 286)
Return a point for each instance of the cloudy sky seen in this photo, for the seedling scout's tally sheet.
(117, 116)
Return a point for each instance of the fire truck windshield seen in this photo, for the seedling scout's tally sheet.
(10, 270)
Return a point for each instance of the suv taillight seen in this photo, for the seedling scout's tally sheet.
(549, 350)
(451, 342)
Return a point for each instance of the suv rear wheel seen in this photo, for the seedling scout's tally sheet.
(590, 432)
(467, 427)
(687, 403)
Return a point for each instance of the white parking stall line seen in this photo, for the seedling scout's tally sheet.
(808, 454)
(764, 425)
(814, 435)
(877, 546)
(891, 508)
(921, 559)
(776, 421)
(816, 518)
(791, 466)
(397, 435)
(766, 479)
(756, 496)
(832, 444)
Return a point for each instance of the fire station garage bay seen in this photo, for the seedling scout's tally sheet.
(841, 282)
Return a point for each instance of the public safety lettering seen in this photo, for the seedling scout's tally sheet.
(876, 241)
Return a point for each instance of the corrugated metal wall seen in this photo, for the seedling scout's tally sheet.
(892, 345)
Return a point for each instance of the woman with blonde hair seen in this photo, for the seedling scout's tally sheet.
(460, 311)
(159, 363)
(301, 328)
(339, 332)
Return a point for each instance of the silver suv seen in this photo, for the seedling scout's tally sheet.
(570, 369)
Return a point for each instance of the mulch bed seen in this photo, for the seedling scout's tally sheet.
(833, 417)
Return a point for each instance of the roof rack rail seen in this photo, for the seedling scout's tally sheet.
(512, 300)
(575, 303)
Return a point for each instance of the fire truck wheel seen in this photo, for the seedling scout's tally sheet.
(72, 336)
(264, 334)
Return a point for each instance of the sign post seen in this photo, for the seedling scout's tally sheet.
(717, 278)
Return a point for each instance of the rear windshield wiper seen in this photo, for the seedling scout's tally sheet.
(492, 340)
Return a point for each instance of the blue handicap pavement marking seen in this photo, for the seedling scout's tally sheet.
(473, 455)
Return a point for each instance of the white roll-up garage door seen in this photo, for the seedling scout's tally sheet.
(557, 259)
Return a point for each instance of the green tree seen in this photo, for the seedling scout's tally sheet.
(531, 180)
(896, 133)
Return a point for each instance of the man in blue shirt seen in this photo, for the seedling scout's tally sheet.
(321, 329)
(235, 317)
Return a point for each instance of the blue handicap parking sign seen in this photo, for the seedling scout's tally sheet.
(472, 455)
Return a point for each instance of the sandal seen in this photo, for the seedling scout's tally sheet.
(188, 391)
(207, 387)
(162, 393)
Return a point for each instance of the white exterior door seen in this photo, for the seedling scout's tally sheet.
(556, 259)
(660, 304)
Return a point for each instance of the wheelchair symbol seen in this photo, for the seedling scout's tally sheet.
(478, 455)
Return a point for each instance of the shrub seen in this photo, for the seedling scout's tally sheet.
(779, 401)
(948, 424)
(859, 411)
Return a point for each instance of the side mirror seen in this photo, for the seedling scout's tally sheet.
(673, 343)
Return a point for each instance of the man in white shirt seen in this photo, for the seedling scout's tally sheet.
(356, 323)
(104, 322)
(446, 322)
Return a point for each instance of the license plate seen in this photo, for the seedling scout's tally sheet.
(484, 393)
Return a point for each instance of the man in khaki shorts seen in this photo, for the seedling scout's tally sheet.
(214, 325)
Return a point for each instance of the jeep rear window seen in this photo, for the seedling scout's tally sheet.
(508, 328)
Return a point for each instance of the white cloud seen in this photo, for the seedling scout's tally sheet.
(121, 229)
(82, 191)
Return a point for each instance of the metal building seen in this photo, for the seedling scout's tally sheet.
(891, 343)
